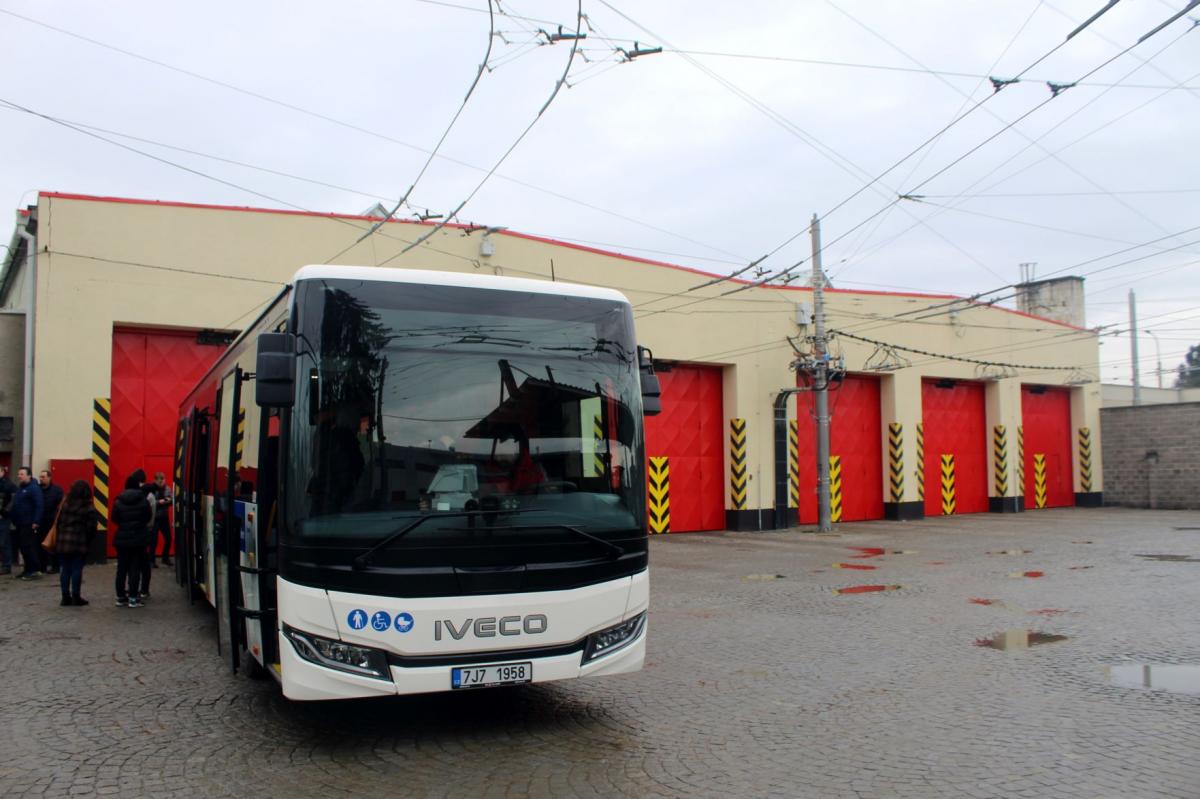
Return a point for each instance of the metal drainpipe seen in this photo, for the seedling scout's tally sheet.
(30, 318)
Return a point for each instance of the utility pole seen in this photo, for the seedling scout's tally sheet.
(1158, 351)
(1133, 349)
(820, 383)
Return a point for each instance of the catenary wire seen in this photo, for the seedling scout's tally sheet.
(358, 129)
(557, 87)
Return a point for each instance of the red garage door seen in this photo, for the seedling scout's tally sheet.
(690, 431)
(855, 439)
(1046, 416)
(955, 421)
(152, 371)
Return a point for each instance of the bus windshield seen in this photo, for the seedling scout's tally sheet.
(515, 414)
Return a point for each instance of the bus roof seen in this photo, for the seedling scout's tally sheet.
(458, 279)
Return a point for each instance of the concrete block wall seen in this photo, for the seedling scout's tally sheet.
(1152, 455)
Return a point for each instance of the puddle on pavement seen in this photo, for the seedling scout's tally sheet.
(1027, 574)
(1176, 679)
(860, 566)
(764, 577)
(1011, 552)
(1169, 558)
(866, 589)
(1018, 639)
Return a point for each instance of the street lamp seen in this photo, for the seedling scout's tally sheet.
(1158, 351)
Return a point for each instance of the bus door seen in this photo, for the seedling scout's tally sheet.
(228, 521)
(259, 511)
(179, 488)
(191, 481)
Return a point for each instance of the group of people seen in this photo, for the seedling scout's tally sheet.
(30, 510)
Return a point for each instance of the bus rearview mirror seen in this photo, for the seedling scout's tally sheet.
(275, 371)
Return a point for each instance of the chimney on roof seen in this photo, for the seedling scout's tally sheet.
(1059, 298)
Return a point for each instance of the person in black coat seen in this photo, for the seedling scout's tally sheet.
(25, 514)
(9, 548)
(52, 497)
(131, 513)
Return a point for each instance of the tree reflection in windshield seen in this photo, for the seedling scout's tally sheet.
(417, 407)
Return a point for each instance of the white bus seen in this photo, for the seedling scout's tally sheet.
(402, 481)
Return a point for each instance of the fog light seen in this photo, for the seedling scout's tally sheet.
(338, 655)
(613, 638)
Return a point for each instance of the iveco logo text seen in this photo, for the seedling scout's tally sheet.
(489, 626)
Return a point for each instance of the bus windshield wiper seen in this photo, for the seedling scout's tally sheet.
(364, 560)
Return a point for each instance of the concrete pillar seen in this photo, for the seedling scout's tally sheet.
(1003, 408)
(900, 405)
(1085, 436)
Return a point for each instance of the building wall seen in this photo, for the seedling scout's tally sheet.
(1152, 455)
(105, 263)
(12, 383)
(1119, 396)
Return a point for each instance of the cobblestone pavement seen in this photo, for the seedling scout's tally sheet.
(753, 686)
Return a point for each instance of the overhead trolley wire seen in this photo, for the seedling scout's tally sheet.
(1053, 96)
(437, 147)
(557, 87)
(359, 128)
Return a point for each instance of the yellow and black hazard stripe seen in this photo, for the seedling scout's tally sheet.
(1085, 459)
(1039, 480)
(659, 488)
(896, 460)
(920, 471)
(179, 456)
(738, 475)
(949, 488)
(1000, 459)
(101, 433)
(793, 464)
(239, 442)
(835, 488)
(598, 446)
(1021, 460)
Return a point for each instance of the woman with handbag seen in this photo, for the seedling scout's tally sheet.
(69, 538)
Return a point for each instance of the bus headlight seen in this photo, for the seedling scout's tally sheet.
(338, 655)
(613, 638)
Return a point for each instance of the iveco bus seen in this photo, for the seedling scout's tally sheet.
(402, 481)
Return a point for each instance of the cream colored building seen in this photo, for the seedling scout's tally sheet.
(104, 265)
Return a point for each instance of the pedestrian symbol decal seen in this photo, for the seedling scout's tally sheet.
(357, 619)
(381, 621)
(404, 622)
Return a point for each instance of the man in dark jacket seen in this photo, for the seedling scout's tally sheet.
(26, 514)
(162, 517)
(8, 539)
(52, 497)
(132, 514)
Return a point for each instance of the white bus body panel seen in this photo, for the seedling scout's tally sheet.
(571, 616)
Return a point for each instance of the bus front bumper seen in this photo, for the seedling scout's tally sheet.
(306, 681)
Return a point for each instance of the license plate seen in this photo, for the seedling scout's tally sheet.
(488, 675)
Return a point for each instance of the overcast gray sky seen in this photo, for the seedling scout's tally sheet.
(709, 154)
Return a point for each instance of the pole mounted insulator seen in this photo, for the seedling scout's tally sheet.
(637, 51)
(1058, 88)
(1000, 83)
(561, 36)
